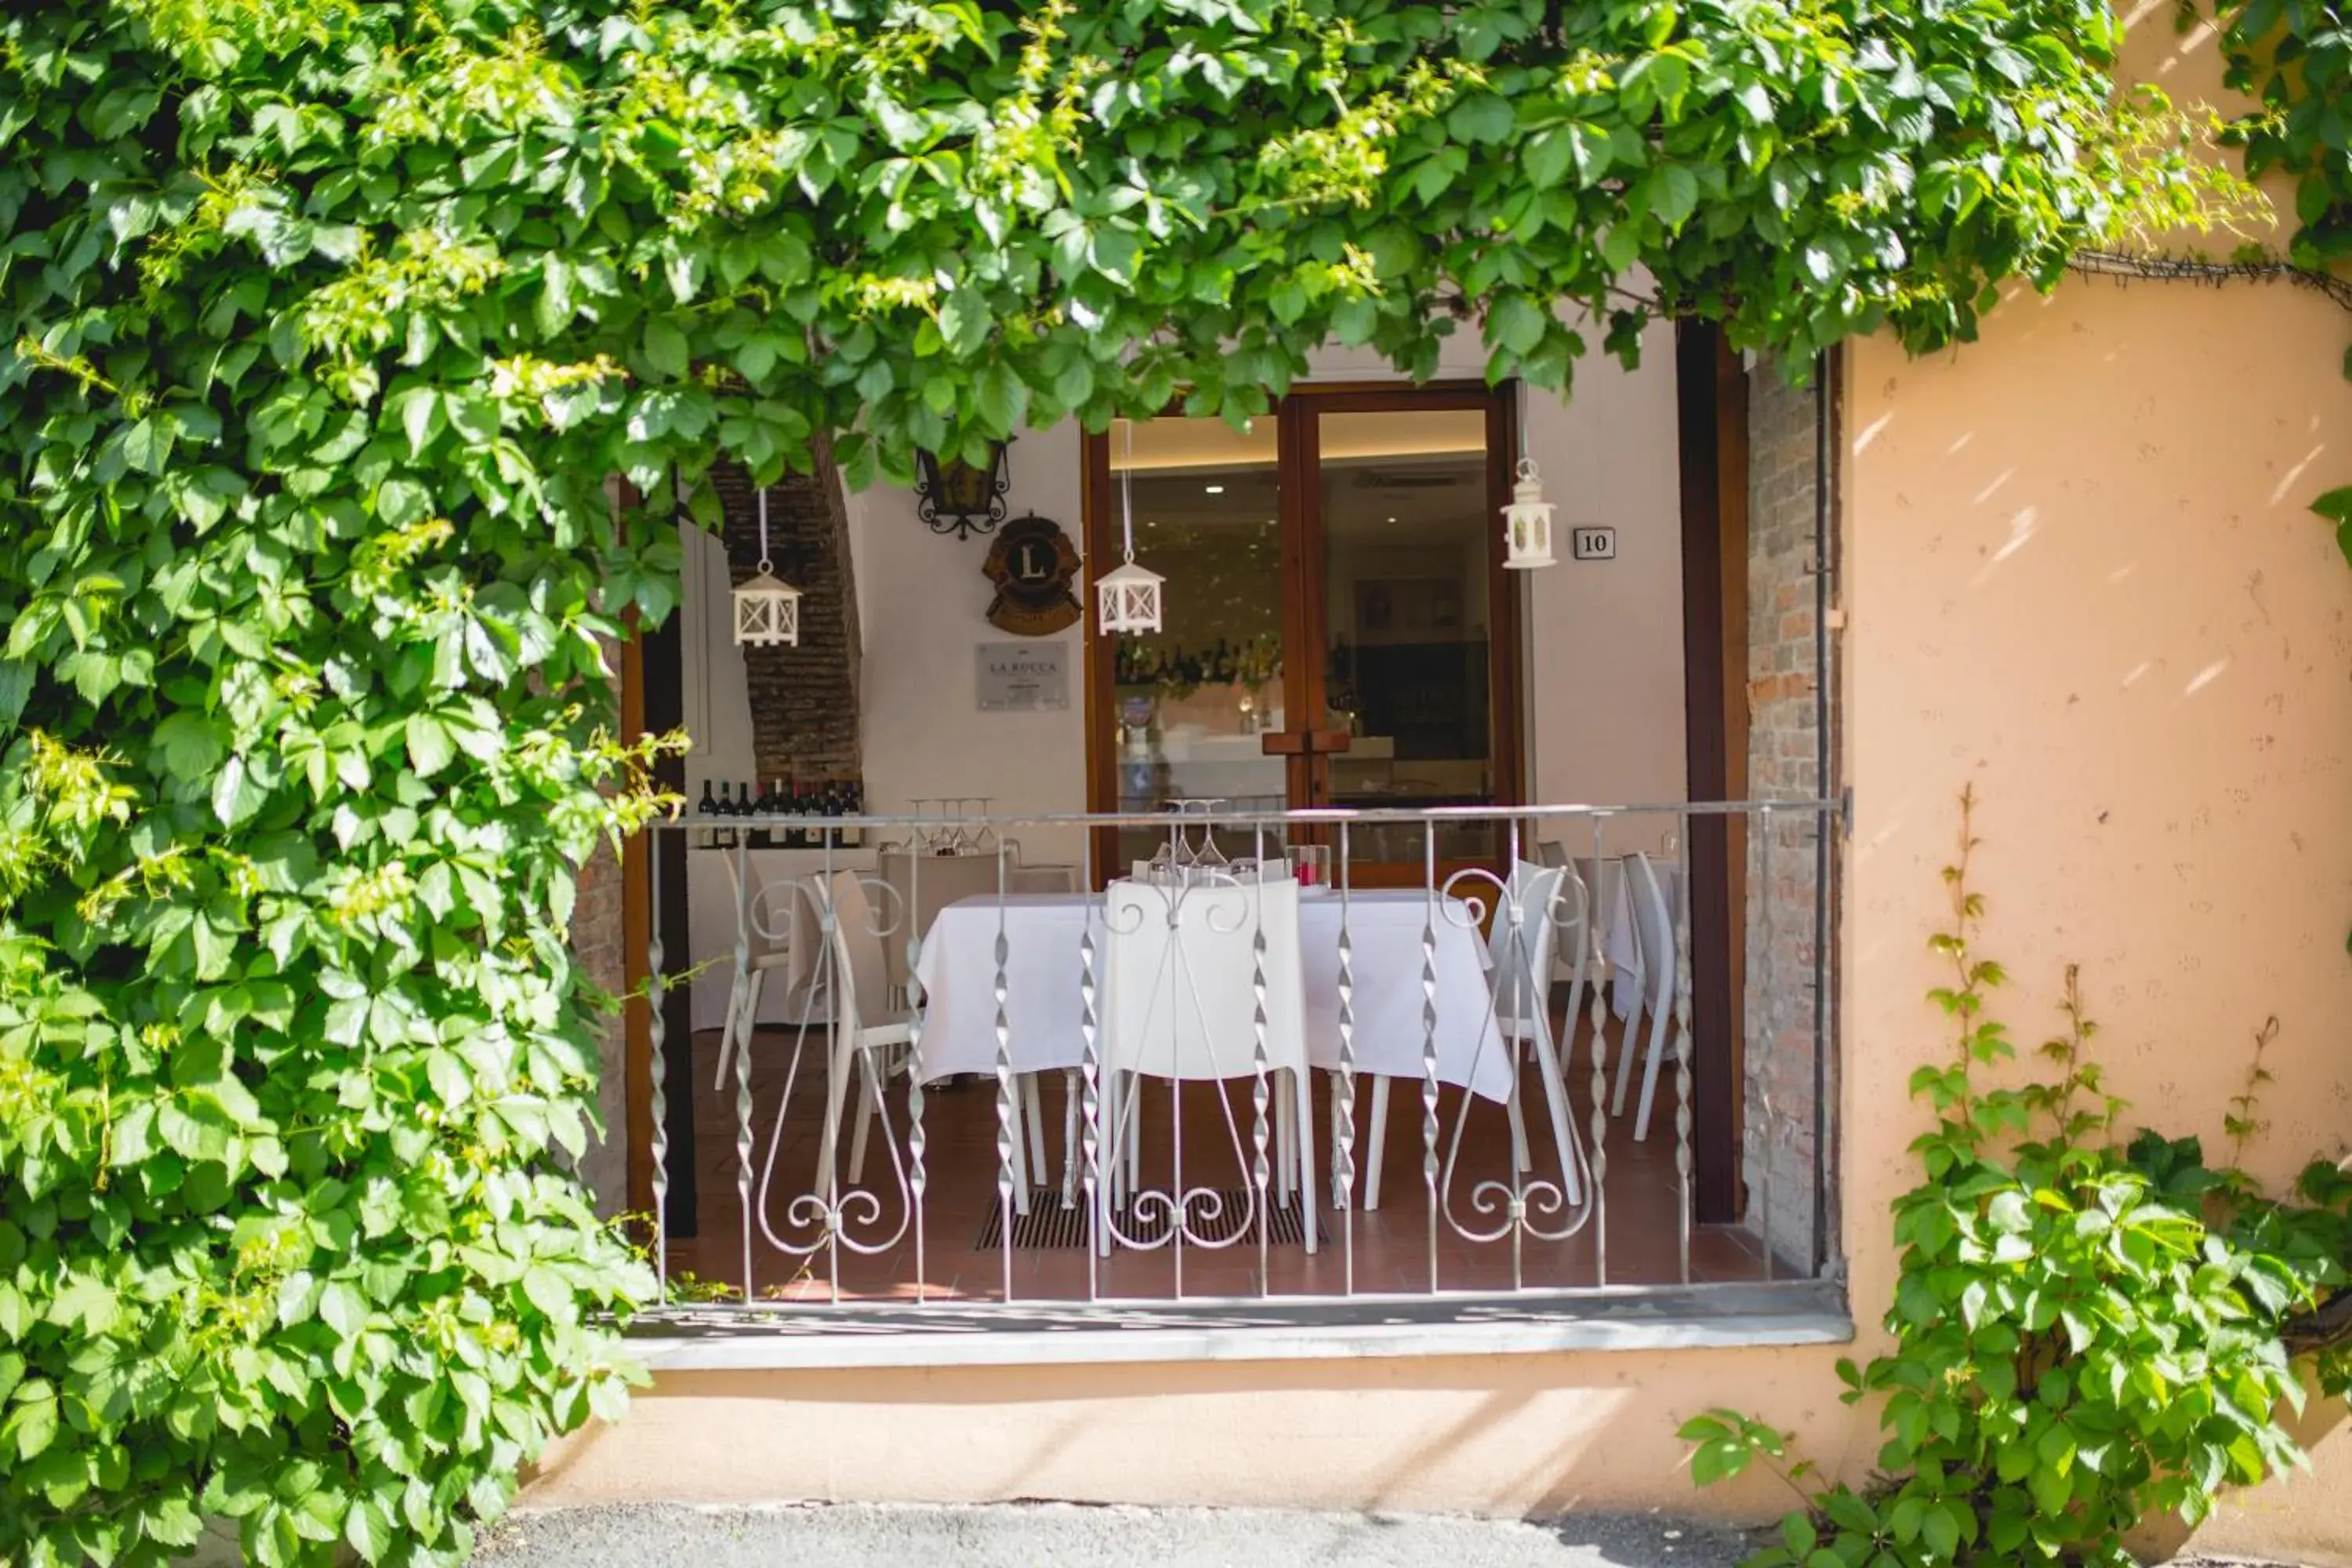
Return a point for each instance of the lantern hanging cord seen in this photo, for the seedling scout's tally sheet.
(766, 565)
(1127, 493)
(1525, 466)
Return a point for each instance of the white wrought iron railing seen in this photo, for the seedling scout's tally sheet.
(1491, 966)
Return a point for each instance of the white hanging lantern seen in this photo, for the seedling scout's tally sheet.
(767, 609)
(1127, 597)
(1527, 521)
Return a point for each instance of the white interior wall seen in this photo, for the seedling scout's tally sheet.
(1603, 639)
(923, 605)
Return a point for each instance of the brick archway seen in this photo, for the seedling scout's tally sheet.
(805, 717)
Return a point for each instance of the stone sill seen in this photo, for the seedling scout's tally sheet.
(1706, 1317)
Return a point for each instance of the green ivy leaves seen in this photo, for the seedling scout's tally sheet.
(2086, 1331)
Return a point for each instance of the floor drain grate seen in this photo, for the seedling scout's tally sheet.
(1048, 1225)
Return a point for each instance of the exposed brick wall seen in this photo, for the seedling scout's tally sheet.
(803, 698)
(1784, 668)
(596, 943)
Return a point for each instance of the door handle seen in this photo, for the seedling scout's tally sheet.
(1305, 743)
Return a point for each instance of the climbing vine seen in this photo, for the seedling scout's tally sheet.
(326, 324)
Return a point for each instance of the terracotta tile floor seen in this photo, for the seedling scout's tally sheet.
(1389, 1251)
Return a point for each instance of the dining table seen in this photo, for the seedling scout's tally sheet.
(1044, 937)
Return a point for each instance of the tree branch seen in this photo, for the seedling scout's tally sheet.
(2325, 1327)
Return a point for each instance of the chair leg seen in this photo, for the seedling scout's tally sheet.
(1285, 1142)
(1633, 1026)
(1650, 1073)
(1556, 1098)
(840, 1057)
(1304, 1121)
(869, 1100)
(1034, 1102)
(1069, 1138)
(1521, 1161)
(726, 1031)
(1131, 1132)
(1378, 1145)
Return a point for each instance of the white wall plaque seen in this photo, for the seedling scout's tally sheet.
(1024, 677)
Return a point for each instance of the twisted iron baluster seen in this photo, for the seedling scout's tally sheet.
(846, 1014)
(918, 1140)
(742, 1023)
(1429, 1126)
(1596, 932)
(1090, 1076)
(657, 1033)
(1343, 1100)
(1259, 1090)
(1007, 1107)
(1768, 1040)
(1683, 1059)
(1520, 988)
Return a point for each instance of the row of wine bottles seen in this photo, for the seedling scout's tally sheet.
(1140, 665)
(786, 797)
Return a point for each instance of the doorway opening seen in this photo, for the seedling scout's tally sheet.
(1341, 632)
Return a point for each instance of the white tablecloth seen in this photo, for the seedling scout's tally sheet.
(1623, 939)
(1045, 968)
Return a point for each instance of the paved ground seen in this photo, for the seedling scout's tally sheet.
(1059, 1536)
(1056, 1535)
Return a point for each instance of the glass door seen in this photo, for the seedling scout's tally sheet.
(1338, 628)
(1411, 625)
(1190, 706)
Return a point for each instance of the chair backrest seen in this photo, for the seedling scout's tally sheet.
(1522, 938)
(926, 884)
(1178, 998)
(860, 977)
(1654, 923)
(772, 909)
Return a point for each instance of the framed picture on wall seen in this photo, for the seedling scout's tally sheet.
(1408, 609)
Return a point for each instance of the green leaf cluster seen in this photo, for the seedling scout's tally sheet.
(2293, 59)
(324, 327)
(2088, 1330)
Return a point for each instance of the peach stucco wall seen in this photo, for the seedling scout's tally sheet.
(2080, 576)
(2084, 578)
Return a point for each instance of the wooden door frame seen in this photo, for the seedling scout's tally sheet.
(1711, 393)
(1301, 513)
(653, 701)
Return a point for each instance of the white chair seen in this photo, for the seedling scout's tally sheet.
(1653, 982)
(1521, 941)
(864, 1022)
(1181, 1005)
(926, 884)
(1590, 892)
(772, 950)
(1522, 944)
